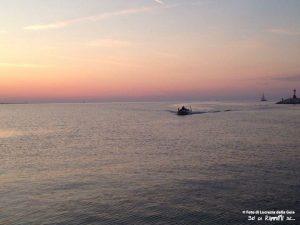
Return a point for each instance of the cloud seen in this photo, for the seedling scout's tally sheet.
(109, 43)
(288, 78)
(3, 31)
(65, 23)
(159, 2)
(22, 65)
(48, 26)
(283, 31)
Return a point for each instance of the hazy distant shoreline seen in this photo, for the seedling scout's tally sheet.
(154, 101)
(15, 103)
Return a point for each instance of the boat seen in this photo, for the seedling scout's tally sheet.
(263, 99)
(184, 111)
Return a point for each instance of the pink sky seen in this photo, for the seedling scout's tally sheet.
(147, 50)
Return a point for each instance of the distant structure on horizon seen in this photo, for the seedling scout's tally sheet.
(263, 98)
(293, 100)
(294, 96)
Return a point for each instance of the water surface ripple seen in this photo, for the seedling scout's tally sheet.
(138, 163)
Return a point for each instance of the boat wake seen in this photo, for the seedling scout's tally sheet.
(200, 112)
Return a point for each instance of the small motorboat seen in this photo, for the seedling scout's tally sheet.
(184, 111)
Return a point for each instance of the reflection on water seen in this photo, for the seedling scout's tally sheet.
(9, 133)
(134, 163)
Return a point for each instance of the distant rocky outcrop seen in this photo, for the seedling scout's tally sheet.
(293, 100)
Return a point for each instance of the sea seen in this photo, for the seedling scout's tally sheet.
(140, 163)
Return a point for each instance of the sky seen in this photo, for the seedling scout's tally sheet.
(144, 50)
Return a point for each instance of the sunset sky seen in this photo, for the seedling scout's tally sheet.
(148, 50)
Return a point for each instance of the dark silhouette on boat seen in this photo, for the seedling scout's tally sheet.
(184, 111)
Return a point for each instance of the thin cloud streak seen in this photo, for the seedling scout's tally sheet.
(159, 2)
(282, 31)
(65, 23)
(289, 78)
(23, 65)
(109, 43)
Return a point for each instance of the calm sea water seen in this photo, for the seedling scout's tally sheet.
(139, 163)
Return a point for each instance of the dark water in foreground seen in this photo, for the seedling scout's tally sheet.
(135, 163)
